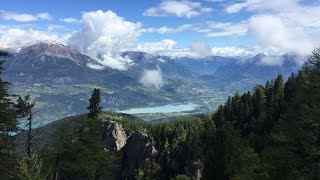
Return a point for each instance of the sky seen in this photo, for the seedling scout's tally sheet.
(193, 28)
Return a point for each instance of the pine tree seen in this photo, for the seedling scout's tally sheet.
(8, 126)
(24, 110)
(94, 107)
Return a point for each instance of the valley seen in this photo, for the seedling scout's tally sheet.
(60, 81)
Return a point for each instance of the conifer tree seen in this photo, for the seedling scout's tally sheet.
(94, 107)
(24, 110)
(8, 125)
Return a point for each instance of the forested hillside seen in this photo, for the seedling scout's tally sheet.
(271, 132)
(280, 121)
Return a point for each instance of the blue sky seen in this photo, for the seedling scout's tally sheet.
(168, 27)
(131, 11)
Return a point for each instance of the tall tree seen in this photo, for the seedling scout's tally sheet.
(94, 107)
(8, 125)
(24, 110)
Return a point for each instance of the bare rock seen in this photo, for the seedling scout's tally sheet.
(113, 135)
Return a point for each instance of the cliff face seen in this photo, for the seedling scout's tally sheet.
(113, 135)
(138, 152)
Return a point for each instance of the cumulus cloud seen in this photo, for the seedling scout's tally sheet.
(157, 48)
(15, 38)
(104, 36)
(289, 26)
(24, 17)
(201, 48)
(178, 8)
(152, 77)
(274, 31)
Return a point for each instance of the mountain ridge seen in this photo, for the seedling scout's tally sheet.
(51, 72)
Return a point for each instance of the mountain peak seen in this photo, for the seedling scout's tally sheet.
(50, 54)
(50, 49)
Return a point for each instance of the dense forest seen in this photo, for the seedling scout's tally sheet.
(271, 132)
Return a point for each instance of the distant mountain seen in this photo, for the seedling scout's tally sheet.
(44, 62)
(235, 73)
(61, 82)
(169, 67)
(59, 79)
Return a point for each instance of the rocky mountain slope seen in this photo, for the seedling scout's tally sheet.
(59, 79)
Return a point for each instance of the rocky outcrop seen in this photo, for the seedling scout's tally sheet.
(194, 169)
(113, 135)
(138, 152)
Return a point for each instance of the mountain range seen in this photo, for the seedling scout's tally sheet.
(60, 80)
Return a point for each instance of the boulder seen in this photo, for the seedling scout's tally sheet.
(113, 135)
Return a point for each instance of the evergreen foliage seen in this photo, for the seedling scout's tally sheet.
(8, 126)
(94, 106)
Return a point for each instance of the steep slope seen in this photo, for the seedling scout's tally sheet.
(46, 63)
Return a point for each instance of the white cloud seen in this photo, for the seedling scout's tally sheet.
(178, 8)
(70, 20)
(152, 77)
(234, 8)
(232, 51)
(95, 66)
(166, 47)
(197, 49)
(44, 16)
(156, 48)
(24, 17)
(104, 36)
(201, 48)
(165, 29)
(272, 60)
(287, 25)
(261, 5)
(219, 29)
(274, 31)
(53, 27)
(15, 38)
